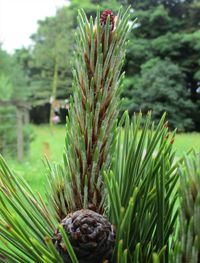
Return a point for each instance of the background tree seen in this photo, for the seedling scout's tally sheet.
(52, 57)
(90, 6)
(168, 30)
(161, 88)
(13, 86)
(12, 72)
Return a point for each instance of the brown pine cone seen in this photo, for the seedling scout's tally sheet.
(104, 16)
(91, 236)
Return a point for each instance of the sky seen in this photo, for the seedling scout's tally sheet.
(18, 20)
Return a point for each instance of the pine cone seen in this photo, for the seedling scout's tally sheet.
(104, 16)
(91, 236)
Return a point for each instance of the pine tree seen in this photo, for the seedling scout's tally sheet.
(78, 197)
(113, 199)
(91, 125)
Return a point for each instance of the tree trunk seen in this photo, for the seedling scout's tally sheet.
(54, 91)
(20, 139)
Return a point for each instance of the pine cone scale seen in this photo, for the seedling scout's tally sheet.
(104, 16)
(90, 234)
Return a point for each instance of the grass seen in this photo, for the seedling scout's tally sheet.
(185, 141)
(50, 142)
(47, 142)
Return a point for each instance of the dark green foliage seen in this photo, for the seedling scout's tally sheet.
(168, 30)
(161, 88)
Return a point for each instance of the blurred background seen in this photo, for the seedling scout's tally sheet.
(36, 58)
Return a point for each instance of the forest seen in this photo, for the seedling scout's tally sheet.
(162, 64)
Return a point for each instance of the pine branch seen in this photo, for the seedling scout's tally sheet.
(142, 190)
(91, 124)
(187, 248)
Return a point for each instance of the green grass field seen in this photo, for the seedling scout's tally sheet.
(51, 143)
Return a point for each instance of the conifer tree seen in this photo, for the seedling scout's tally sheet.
(91, 128)
(78, 196)
(113, 199)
